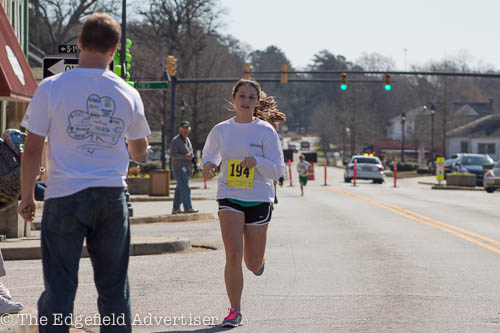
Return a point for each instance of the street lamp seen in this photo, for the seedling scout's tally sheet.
(163, 157)
(433, 112)
(182, 108)
(403, 120)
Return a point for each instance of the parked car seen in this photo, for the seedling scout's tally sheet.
(305, 145)
(473, 163)
(448, 165)
(491, 181)
(367, 167)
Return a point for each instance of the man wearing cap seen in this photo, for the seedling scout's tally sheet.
(181, 153)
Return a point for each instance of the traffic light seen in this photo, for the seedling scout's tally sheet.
(246, 70)
(343, 81)
(171, 66)
(284, 74)
(387, 82)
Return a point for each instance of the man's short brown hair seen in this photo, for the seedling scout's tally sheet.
(100, 33)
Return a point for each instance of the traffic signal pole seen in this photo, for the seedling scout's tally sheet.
(173, 85)
(123, 59)
(247, 73)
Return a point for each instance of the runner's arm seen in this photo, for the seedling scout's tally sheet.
(211, 150)
(272, 165)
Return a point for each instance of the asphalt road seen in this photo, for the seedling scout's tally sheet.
(370, 258)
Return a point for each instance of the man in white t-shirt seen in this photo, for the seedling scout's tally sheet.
(86, 114)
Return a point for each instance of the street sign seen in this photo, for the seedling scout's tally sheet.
(55, 65)
(59, 64)
(151, 85)
(440, 169)
(68, 49)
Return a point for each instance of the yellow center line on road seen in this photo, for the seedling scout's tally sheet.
(451, 229)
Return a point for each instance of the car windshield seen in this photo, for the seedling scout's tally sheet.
(476, 160)
(368, 160)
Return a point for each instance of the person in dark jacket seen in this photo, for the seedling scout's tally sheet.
(181, 154)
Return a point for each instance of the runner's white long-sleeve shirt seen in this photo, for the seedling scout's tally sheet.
(230, 140)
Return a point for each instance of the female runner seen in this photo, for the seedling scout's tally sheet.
(248, 149)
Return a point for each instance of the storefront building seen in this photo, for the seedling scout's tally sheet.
(17, 84)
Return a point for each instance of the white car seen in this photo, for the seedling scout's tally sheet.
(367, 167)
(491, 180)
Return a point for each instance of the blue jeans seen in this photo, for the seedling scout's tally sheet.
(99, 215)
(40, 191)
(182, 191)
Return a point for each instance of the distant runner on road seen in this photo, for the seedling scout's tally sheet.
(302, 168)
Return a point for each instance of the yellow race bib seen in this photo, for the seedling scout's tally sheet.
(237, 176)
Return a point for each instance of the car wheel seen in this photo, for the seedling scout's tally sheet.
(490, 189)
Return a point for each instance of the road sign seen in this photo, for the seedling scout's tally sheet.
(68, 49)
(440, 169)
(59, 64)
(151, 85)
(55, 65)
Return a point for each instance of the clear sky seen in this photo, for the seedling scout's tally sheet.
(429, 30)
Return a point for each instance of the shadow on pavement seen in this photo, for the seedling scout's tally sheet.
(203, 330)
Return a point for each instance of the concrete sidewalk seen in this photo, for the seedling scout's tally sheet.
(29, 248)
(146, 209)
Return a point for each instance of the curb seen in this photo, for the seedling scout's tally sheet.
(456, 188)
(15, 249)
(159, 219)
(171, 218)
(162, 198)
(428, 183)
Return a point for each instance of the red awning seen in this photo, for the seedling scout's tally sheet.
(16, 79)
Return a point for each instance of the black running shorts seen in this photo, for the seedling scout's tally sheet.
(255, 215)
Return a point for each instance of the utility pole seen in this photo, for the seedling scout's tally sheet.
(403, 121)
(123, 58)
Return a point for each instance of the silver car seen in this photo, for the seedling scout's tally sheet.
(367, 167)
(491, 180)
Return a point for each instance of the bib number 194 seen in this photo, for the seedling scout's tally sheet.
(239, 177)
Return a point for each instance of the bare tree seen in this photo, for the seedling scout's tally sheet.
(55, 22)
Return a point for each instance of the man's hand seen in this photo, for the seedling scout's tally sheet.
(27, 209)
(209, 170)
(248, 162)
(189, 157)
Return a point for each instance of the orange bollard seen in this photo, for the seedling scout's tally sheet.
(310, 172)
(290, 172)
(355, 172)
(325, 173)
(395, 172)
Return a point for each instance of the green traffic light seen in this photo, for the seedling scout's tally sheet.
(343, 86)
(388, 87)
